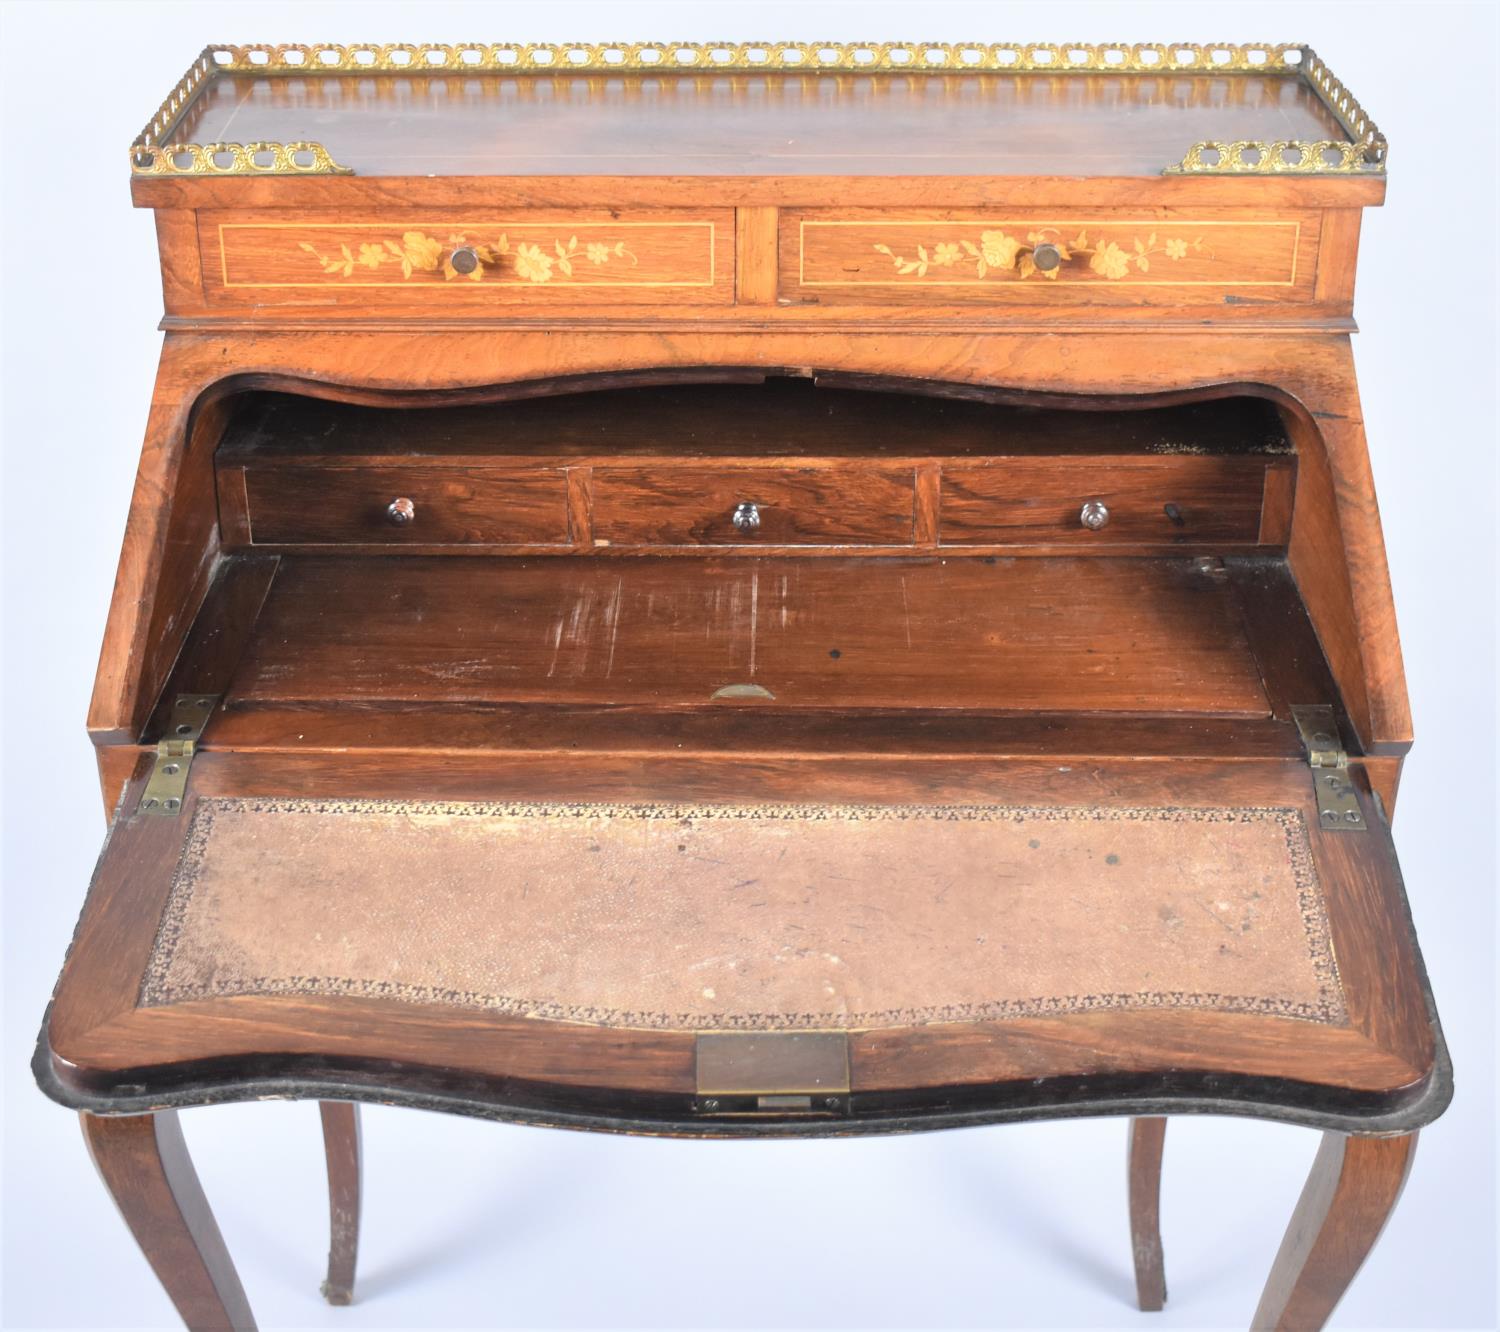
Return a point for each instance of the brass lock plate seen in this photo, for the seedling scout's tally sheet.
(772, 1073)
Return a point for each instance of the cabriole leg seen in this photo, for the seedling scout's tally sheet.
(1348, 1198)
(1146, 1138)
(144, 1163)
(341, 1142)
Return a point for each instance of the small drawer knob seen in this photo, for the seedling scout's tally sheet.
(401, 511)
(464, 260)
(1046, 257)
(1093, 515)
(746, 516)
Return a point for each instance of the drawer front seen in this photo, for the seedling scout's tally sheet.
(462, 261)
(1150, 501)
(792, 506)
(462, 506)
(1168, 257)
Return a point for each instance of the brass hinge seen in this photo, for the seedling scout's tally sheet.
(174, 754)
(772, 1073)
(1338, 805)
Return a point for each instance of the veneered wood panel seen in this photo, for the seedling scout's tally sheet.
(1049, 633)
(1164, 257)
(673, 505)
(1182, 500)
(478, 505)
(524, 259)
(686, 123)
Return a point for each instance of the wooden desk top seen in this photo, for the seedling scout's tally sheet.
(770, 110)
(757, 124)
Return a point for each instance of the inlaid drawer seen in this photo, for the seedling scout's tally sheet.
(1106, 500)
(405, 505)
(454, 262)
(1058, 258)
(753, 506)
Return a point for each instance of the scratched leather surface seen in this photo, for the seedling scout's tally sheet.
(757, 916)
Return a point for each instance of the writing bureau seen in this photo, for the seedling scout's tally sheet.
(776, 590)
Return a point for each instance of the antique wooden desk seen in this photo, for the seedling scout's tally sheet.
(753, 591)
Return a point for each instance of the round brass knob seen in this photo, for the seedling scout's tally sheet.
(1046, 257)
(746, 517)
(1093, 515)
(464, 260)
(401, 511)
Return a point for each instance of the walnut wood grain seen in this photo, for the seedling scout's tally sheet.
(144, 1163)
(1147, 1134)
(1351, 1191)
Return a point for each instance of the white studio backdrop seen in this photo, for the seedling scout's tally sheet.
(469, 1224)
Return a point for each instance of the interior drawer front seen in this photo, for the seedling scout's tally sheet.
(793, 506)
(1145, 500)
(1071, 258)
(448, 506)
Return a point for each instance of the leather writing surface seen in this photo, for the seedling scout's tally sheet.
(754, 916)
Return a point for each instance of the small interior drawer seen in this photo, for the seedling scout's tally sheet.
(444, 505)
(777, 506)
(1130, 500)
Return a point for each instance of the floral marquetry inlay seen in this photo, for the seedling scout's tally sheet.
(416, 252)
(1002, 252)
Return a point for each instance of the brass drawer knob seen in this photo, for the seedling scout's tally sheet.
(1093, 515)
(746, 516)
(401, 511)
(1046, 257)
(464, 260)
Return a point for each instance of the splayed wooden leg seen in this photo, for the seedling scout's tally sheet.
(144, 1163)
(1146, 1138)
(341, 1143)
(1348, 1198)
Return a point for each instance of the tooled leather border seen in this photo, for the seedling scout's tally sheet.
(156, 989)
